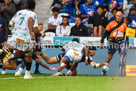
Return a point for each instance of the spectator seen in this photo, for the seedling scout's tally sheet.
(134, 5)
(8, 10)
(89, 9)
(20, 4)
(3, 30)
(133, 16)
(66, 6)
(115, 4)
(114, 11)
(64, 28)
(79, 29)
(54, 20)
(99, 21)
(76, 9)
(57, 3)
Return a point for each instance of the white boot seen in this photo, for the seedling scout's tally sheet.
(58, 74)
(27, 75)
(3, 72)
(19, 72)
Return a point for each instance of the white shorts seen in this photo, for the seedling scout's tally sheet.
(20, 44)
(73, 56)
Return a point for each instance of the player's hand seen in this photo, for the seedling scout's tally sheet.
(52, 68)
(102, 45)
(32, 37)
(86, 62)
(43, 35)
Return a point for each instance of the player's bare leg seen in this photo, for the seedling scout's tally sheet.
(63, 65)
(43, 64)
(28, 59)
(52, 60)
(12, 65)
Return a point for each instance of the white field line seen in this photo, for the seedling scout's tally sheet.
(21, 77)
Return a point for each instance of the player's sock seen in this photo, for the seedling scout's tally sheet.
(62, 64)
(28, 67)
(20, 70)
(1, 66)
(68, 73)
(23, 64)
(18, 62)
(36, 68)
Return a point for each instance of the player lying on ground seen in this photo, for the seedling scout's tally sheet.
(72, 66)
(25, 23)
(73, 54)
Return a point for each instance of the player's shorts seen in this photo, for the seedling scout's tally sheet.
(60, 56)
(34, 56)
(113, 48)
(73, 56)
(20, 44)
(84, 57)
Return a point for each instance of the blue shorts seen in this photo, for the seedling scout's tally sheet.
(113, 48)
(60, 56)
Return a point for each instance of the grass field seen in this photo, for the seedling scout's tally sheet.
(80, 83)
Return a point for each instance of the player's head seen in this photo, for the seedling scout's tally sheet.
(31, 5)
(99, 9)
(40, 26)
(75, 40)
(55, 11)
(133, 11)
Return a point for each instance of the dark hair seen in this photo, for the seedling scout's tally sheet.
(76, 39)
(114, 9)
(55, 9)
(99, 6)
(132, 9)
(63, 18)
(78, 16)
(31, 4)
(129, 19)
(73, 5)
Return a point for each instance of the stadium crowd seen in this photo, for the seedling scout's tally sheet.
(72, 18)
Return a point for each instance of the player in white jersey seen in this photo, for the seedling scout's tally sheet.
(73, 53)
(25, 24)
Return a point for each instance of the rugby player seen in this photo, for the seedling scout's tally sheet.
(25, 24)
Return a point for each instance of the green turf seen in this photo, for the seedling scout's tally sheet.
(80, 83)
